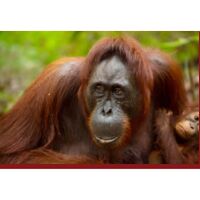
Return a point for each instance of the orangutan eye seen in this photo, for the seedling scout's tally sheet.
(99, 90)
(118, 92)
(196, 118)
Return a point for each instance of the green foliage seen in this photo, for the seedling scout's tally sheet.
(24, 54)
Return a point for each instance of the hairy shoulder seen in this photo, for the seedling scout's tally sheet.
(64, 66)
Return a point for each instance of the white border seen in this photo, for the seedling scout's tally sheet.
(99, 15)
(99, 184)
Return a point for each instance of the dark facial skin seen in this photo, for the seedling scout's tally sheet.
(111, 98)
(188, 126)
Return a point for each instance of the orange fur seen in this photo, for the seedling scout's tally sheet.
(52, 114)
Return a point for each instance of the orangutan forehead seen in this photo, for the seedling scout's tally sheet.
(111, 69)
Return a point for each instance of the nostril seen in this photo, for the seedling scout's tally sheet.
(103, 112)
(107, 112)
(107, 108)
(191, 126)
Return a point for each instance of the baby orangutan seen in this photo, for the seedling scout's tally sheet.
(176, 138)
